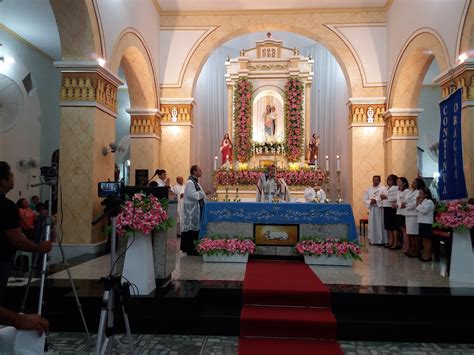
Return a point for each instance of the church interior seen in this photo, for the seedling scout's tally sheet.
(326, 95)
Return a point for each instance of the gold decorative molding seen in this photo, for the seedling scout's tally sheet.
(176, 113)
(465, 81)
(402, 126)
(366, 113)
(145, 124)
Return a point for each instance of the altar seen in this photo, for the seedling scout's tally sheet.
(246, 219)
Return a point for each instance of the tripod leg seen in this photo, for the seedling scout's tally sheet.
(25, 296)
(78, 303)
(103, 318)
(123, 292)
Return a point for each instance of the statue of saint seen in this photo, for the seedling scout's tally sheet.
(273, 118)
(267, 119)
(226, 149)
(313, 148)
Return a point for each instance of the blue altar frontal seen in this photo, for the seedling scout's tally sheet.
(278, 213)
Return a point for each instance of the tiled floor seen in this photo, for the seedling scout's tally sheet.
(77, 344)
(380, 266)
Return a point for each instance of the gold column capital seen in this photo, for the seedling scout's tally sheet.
(402, 123)
(88, 84)
(461, 76)
(366, 111)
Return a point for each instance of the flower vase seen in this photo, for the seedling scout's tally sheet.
(236, 258)
(326, 260)
(462, 257)
(138, 266)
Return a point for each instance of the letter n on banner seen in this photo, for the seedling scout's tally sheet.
(452, 184)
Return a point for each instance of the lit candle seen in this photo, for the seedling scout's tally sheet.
(227, 164)
(338, 163)
(215, 163)
(315, 163)
(327, 163)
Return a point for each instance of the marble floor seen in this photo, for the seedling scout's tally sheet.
(77, 344)
(379, 267)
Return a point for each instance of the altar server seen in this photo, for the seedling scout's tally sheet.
(178, 190)
(193, 203)
(314, 195)
(411, 217)
(389, 200)
(269, 186)
(372, 200)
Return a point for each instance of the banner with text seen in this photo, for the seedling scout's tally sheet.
(452, 184)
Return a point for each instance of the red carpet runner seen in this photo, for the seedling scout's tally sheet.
(286, 311)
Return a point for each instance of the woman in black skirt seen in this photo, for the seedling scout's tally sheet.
(389, 200)
(425, 208)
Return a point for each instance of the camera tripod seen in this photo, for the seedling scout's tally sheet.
(44, 265)
(115, 293)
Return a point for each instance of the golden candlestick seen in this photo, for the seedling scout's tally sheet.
(339, 198)
(328, 188)
(237, 198)
(226, 197)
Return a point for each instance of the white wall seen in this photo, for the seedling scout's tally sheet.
(405, 17)
(36, 132)
(117, 15)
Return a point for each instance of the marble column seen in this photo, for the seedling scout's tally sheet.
(462, 76)
(88, 113)
(177, 136)
(366, 146)
(145, 141)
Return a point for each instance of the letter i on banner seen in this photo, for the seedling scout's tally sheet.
(452, 184)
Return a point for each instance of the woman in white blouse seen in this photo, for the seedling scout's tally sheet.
(425, 208)
(403, 185)
(411, 217)
(389, 199)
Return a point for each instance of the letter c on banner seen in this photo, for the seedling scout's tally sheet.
(445, 108)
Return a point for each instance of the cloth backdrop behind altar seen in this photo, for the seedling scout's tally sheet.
(328, 104)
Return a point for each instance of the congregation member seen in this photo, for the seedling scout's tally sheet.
(11, 237)
(411, 217)
(193, 203)
(34, 201)
(389, 202)
(314, 195)
(269, 186)
(27, 218)
(402, 184)
(377, 234)
(425, 209)
(23, 321)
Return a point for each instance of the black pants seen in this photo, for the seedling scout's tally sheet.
(188, 239)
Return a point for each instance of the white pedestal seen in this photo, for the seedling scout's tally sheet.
(237, 258)
(138, 266)
(325, 260)
(462, 258)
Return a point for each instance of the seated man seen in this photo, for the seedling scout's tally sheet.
(269, 186)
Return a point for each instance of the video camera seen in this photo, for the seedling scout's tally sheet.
(110, 189)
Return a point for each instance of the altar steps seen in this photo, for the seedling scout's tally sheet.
(362, 312)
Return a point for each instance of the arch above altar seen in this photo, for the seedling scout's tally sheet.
(276, 133)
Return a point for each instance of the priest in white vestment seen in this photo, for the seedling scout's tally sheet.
(373, 201)
(190, 218)
(314, 195)
(269, 187)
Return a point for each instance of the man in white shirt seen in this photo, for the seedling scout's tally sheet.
(162, 181)
(373, 202)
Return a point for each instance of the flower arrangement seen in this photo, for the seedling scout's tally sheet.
(302, 177)
(217, 245)
(293, 118)
(243, 120)
(314, 246)
(143, 213)
(455, 214)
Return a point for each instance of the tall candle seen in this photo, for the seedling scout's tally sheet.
(338, 163)
(327, 163)
(227, 164)
(215, 163)
(315, 163)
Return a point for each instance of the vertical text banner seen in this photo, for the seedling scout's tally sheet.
(452, 184)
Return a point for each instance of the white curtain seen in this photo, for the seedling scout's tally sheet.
(328, 111)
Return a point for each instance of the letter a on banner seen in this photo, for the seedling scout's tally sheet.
(452, 184)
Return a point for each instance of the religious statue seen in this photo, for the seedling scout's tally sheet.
(313, 148)
(269, 118)
(226, 149)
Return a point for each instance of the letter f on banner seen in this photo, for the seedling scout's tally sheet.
(452, 184)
